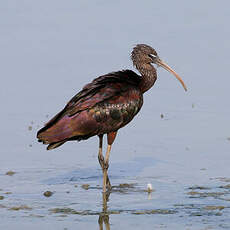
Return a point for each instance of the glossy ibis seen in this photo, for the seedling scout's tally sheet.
(105, 105)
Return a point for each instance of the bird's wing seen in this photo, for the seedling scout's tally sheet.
(99, 90)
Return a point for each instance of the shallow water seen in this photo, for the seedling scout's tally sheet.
(173, 204)
(50, 49)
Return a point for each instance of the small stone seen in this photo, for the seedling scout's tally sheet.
(1, 197)
(48, 193)
(85, 186)
(75, 185)
(162, 116)
(10, 173)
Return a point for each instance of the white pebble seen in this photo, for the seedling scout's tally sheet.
(149, 187)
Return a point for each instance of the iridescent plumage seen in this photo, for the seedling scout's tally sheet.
(106, 104)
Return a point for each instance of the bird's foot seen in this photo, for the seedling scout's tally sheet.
(101, 161)
(106, 166)
(108, 185)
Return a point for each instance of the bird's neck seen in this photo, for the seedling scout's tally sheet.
(149, 76)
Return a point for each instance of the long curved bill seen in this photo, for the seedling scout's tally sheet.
(168, 68)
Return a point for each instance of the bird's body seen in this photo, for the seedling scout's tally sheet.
(105, 105)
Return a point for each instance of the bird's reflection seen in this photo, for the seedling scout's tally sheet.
(103, 219)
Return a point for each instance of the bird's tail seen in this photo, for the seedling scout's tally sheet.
(63, 128)
(54, 134)
(51, 145)
(55, 145)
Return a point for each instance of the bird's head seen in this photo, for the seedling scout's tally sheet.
(144, 55)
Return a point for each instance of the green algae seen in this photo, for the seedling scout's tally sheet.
(125, 185)
(21, 207)
(199, 187)
(154, 211)
(70, 211)
(213, 207)
(195, 194)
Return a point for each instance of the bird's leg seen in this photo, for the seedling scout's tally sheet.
(101, 159)
(110, 137)
(105, 169)
(100, 156)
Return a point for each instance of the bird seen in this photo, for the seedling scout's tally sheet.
(105, 105)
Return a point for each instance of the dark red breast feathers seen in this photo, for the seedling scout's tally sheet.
(106, 104)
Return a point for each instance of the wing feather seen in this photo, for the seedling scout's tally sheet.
(100, 89)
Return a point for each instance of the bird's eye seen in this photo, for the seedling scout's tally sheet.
(152, 56)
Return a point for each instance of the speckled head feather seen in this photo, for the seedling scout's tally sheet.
(142, 54)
